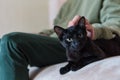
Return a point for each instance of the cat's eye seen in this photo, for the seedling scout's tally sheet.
(69, 39)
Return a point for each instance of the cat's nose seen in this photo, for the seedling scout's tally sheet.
(74, 45)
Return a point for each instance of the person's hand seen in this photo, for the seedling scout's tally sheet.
(89, 28)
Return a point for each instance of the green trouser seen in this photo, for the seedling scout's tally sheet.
(17, 50)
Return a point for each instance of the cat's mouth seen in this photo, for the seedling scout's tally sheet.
(74, 51)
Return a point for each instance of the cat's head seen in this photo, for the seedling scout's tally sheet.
(74, 37)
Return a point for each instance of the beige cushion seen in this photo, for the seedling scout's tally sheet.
(107, 69)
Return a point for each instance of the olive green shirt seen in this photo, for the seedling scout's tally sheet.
(104, 15)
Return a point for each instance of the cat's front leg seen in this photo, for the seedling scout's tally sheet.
(65, 69)
(83, 62)
(76, 66)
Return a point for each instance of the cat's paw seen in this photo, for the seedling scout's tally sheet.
(64, 70)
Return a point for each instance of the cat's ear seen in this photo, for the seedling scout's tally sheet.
(58, 30)
(81, 22)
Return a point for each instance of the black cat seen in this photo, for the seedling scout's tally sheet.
(81, 50)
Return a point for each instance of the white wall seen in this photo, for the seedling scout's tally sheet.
(27, 15)
(23, 15)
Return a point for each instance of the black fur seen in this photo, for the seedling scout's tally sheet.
(81, 50)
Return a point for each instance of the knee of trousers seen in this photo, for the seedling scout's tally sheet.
(9, 46)
(10, 39)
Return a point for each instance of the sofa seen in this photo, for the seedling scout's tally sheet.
(106, 69)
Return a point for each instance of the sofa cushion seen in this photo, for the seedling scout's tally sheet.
(107, 69)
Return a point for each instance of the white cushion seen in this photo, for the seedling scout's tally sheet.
(107, 69)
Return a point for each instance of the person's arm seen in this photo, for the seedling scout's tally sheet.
(110, 20)
(46, 32)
